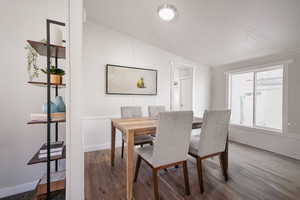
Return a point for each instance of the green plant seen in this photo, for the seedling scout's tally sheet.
(54, 70)
(32, 67)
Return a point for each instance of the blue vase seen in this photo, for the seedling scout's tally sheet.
(53, 108)
(60, 104)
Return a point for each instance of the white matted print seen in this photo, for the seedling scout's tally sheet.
(130, 80)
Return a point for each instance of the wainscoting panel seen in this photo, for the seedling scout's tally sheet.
(96, 133)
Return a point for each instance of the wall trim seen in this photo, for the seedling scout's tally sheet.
(25, 187)
(98, 147)
(99, 117)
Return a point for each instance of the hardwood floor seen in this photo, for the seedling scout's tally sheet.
(253, 174)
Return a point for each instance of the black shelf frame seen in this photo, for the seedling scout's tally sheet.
(48, 23)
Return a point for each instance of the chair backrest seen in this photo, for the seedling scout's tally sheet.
(131, 111)
(153, 111)
(214, 132)
(172, 137)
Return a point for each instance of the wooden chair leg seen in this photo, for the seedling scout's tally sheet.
(155, 183)
(200, 175)
(122, 154)
(137, 168)
(186, 178)
(223, 164)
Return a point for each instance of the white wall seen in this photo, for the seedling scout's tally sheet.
(105, 46)
(288, 142)
(20, 21)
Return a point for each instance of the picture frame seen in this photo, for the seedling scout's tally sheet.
(124, 80)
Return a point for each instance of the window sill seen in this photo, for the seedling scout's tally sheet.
(258, 129)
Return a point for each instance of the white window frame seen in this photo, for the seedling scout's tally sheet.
(261, 68)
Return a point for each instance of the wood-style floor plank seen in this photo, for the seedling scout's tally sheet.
(253, 174)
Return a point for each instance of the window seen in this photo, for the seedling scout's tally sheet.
(256, 98)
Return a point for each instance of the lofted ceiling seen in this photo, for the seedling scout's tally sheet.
(211, 32)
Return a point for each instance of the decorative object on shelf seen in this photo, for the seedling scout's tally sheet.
(130, 80)
(56, 36)
(56, 74)
(52, 106)
(60, 104)
(32, 67)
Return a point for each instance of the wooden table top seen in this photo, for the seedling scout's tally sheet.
(144, 124)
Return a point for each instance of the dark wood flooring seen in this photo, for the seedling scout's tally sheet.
(253, 174)
(59, 195)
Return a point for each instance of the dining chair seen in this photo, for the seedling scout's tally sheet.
(170, 147)
(212, 141)
(134, 112)
(153, 111)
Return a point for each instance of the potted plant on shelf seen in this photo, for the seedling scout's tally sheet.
(56, 74)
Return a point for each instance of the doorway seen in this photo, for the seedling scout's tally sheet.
(182, 85)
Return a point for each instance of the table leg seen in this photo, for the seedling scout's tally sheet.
(130, 169)
(113, 144)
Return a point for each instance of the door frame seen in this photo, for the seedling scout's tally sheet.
(175, 65)
(74, 139)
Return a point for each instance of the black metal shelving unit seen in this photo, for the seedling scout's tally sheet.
(56, 52)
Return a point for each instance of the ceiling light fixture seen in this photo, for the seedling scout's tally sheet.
(167, 12)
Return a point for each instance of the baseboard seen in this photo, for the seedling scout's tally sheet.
(9, 191)
(90, 148)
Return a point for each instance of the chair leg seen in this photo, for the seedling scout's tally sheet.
(186, 178)
(222, 163)
(200, 175)
(137, 168)
(122, 154)
(155, 183)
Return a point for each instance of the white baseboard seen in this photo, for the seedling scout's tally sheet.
(98, 147)
(9, 191)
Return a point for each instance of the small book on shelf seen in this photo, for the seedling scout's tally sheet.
(43, 116)
(52, 154)
(56, 149)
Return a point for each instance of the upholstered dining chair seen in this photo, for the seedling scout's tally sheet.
(153, 111)
(134, 112)
(212, 140)
(170, 147)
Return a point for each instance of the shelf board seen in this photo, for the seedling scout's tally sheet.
(41, 49)
(58, 182)
(44, 84)
(45, 121)
(35, 159)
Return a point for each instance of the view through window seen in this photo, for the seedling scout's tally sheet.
(256, 98)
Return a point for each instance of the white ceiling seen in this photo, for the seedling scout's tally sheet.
(211, 32)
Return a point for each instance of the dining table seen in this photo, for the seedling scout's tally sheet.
(140, 126)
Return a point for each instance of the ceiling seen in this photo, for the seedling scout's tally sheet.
(211, 32)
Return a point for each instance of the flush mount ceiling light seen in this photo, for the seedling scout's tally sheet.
(167, 12)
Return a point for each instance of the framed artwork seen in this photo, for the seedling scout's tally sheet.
(124, 80)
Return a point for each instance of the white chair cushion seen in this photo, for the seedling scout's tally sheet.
(140, 139)
(145, 152)
(194, 143)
